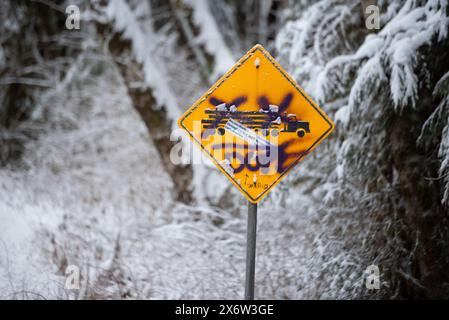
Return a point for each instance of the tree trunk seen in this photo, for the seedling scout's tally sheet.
(156, 120)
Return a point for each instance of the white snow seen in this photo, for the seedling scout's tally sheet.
(277, 120)
(210, 37)
(342, 115)
(221, 107)
(274, 108)
(227, 166)
(125, 21)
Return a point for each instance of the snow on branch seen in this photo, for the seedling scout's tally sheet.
(393, 49)
(210, 37)
(441, 115)
(124, 20)
(404, 35)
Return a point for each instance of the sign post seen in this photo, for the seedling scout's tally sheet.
(255, 123)
(251, 231)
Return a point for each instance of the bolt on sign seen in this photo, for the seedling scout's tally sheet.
(256, 123)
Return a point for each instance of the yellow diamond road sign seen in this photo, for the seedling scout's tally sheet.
(256, 123)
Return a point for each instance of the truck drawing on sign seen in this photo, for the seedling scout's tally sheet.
(267, 121)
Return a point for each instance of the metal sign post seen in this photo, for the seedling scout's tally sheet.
(250, 250)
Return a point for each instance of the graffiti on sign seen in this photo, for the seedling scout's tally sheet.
(256, 123)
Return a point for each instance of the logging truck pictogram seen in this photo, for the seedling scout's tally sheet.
(268, 122)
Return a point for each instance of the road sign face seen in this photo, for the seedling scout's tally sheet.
(256, 123)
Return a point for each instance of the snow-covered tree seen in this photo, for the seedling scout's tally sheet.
(384, 184)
